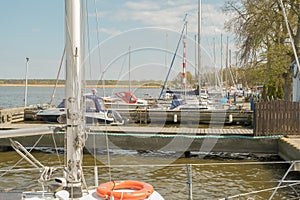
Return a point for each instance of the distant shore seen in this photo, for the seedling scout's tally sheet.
(90, 86)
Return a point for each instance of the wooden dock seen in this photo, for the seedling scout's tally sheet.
(139, 129)
(171, 130)
(143, 138)
(153, 116)
(156, 131)
(147, 116)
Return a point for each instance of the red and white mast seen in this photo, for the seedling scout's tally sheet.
(184, 57)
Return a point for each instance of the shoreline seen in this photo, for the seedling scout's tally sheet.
(90, 86)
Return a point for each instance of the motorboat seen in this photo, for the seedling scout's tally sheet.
(125, 100)
(95, 112)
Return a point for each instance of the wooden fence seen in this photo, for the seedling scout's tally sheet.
(277, 118)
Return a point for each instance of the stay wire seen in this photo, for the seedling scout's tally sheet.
(290, 34)
(103, 88)
(21, 159)
(98, 43)
(88, 41)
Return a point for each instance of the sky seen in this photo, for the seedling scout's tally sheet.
(124, 38)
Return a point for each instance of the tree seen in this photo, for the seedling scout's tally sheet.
(261, 35)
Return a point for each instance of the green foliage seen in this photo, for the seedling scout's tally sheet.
(261, 34)
(190, 80)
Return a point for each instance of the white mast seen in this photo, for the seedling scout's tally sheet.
(129, 66)
(184, 57)
(26, 77)
(199, 46)
(74, 133)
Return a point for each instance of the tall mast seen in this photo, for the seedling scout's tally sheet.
(214, 50)
(195, 56)
(129, 66)
(227, 58)
(221, 62)
(199, 46)
(26, 78)
(184, 58)
(74, 132)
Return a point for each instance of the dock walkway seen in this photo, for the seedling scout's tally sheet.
(142, 129)
(172, 130)
(174, 138)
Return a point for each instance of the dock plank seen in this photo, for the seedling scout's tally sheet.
(142, 129)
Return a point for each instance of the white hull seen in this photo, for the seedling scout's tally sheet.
(91, 195)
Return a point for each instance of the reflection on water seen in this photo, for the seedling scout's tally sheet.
(211, 179)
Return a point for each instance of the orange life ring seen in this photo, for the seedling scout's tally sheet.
(141, 190)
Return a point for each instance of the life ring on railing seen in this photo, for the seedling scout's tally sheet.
(138, 190)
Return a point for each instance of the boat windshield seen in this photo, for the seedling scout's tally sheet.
(90, 105)
(101, 104)
(94, 103)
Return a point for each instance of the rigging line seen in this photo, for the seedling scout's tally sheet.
(18, 162)
(29, 169)
(98, 40)
(57, 77)
(123, 64)
(24, 154)
(173, 59)
(108, 154)
(83, 15)
(82, 132)
(290, 34)
(88, 41)
(56, 148)
(103, 88)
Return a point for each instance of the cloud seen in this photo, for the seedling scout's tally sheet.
(142, 5)
(179, 2)
(110, 31)
(153, 14)
(168, 14)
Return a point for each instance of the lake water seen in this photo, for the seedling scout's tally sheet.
(11, 97)
(213, 177)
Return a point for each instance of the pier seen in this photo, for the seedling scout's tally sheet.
(179, 139)
(182, 136)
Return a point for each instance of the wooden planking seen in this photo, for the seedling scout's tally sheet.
(142, 129)
(146, 116)
(172, 130)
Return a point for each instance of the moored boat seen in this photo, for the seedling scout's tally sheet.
(95, 112)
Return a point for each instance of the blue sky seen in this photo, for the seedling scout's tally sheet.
(35, 29)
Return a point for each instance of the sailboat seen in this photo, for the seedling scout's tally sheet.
(71, 185)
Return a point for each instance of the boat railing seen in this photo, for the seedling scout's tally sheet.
(187, 183)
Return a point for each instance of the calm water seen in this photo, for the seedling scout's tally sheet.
(166, 171)
(11, 97)
(211, 178)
